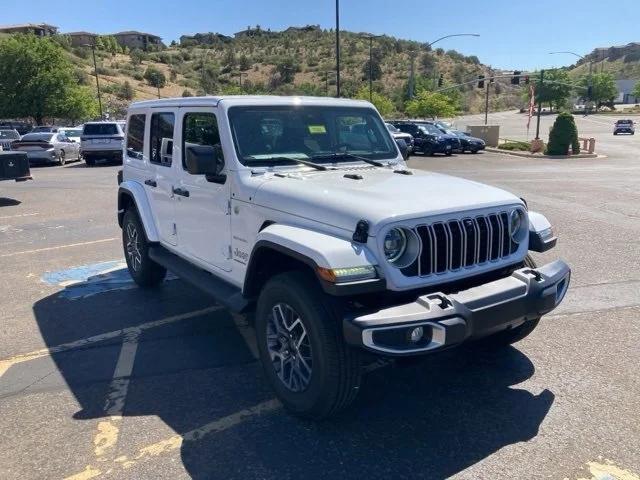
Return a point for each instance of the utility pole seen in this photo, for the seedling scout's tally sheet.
(338, 48)
(539, 105)
(240, 74)
(95, 70)
(412, 74)
(486, 103)
(158, 87)
(371, 37)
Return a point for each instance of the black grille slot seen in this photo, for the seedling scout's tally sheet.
(457, 245)
(442, 247)
(496, 240)
(426, 258)
(506, 238)
(483, 233)
(470, 231)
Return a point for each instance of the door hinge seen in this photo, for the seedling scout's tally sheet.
(175, 229)
(229, 257)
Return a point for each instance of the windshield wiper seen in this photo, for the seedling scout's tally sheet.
(328, 156)
(294, 160)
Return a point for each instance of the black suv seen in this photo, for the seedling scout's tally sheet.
(428, 139)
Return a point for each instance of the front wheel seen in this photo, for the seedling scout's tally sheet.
(312, 370)
(144, 271)
(62, 158)
(448, 153)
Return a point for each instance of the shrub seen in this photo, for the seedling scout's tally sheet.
(515, 145)
(563, 135)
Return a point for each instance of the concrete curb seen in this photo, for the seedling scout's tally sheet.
(537, 155)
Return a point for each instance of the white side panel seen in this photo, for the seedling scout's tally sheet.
(144, 209)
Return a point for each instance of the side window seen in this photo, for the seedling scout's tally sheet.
(161, 141)
(199, 128)
(135, 136)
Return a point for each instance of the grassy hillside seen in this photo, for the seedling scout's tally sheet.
(296, 61)
(623, 62)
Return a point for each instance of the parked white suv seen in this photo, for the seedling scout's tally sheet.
(277, 205)
(101, 141)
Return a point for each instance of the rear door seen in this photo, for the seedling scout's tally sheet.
(159, 185)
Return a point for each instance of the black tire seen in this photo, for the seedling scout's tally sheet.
(62, 158)
(335, 374)
(144, 271)
(90, 161)
(474, 151)
(513, 335)
(448, 153)
(427, 150)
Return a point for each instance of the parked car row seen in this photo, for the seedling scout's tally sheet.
(431, 137)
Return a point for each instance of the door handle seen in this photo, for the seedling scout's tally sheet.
(151, 183)
(180, 191)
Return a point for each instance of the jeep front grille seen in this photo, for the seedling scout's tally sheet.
(455, 244)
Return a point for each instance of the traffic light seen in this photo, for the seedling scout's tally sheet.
(441, 80)
(527, 80)
(480, 81)
(515, 80)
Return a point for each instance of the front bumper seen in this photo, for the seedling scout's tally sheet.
(448, 320)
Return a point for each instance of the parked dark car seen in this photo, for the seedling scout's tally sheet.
(44, 129)
(14, 166)
(427, 138)
(21, 127)
(468, 143)
(453, 140)
(624, 126)
(7, 136)
(398, 135)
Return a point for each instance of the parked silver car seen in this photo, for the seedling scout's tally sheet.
(48, 147)
(7, 137)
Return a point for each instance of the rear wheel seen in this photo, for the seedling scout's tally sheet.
(90, 161)
(312, 370)
(144, 271)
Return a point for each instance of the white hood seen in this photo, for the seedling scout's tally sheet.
(380, 197)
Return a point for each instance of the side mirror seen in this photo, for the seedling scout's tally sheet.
(205, 160)
(404, 149)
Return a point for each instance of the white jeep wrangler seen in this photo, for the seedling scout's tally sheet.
(303, 210)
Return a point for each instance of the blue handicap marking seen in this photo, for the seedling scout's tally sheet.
(87, 280)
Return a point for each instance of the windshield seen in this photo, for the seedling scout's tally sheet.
(432, 129)
(100, 129)
(9, 135)
(71, 132)
(625, 122)
(42, 129)
(262, 134)
(37, 137)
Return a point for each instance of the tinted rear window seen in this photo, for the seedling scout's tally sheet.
(37, 137)
(101, 129)
(9, 135)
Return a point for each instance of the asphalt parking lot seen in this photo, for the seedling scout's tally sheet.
(100, 379)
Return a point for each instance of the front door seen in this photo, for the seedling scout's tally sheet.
(202, 206)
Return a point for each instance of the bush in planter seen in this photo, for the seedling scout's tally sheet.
(515, 145)
(564, 134)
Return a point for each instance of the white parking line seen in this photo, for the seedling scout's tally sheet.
(19, 215)
(6, 363)
(38, 250)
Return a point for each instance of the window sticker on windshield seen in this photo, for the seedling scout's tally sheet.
(317, 129)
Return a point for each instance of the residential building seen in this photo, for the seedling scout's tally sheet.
(79, 39)
(38, 29)
(134, 39)
(625, 89)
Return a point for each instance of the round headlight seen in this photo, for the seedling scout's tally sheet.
(395, 243)
(517, 225)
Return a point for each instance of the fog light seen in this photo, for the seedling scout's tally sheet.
(416, 334)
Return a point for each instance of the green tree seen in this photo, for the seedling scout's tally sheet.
(125, 91)
(79, 104)
(431, 104)
(636, 91)
(563, 135)
(603, 89)
(187, 93)
(555, 90)
(136, 56)
(155, 77)
(376, 70)
(37, 80)
(287, 68)
(382, 103)
(245, 63)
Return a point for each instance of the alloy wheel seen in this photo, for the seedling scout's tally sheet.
(133, 247)
(289, 347)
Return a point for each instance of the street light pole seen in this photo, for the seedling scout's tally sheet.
(338, 48)
(429, 45)
(95, 70)
(371, 37)
(486, 103)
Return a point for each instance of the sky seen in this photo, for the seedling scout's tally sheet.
(513, 34)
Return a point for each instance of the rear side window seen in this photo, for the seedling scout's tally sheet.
(199, 129)
(100, 129)
(135, 136)
(161, 141)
